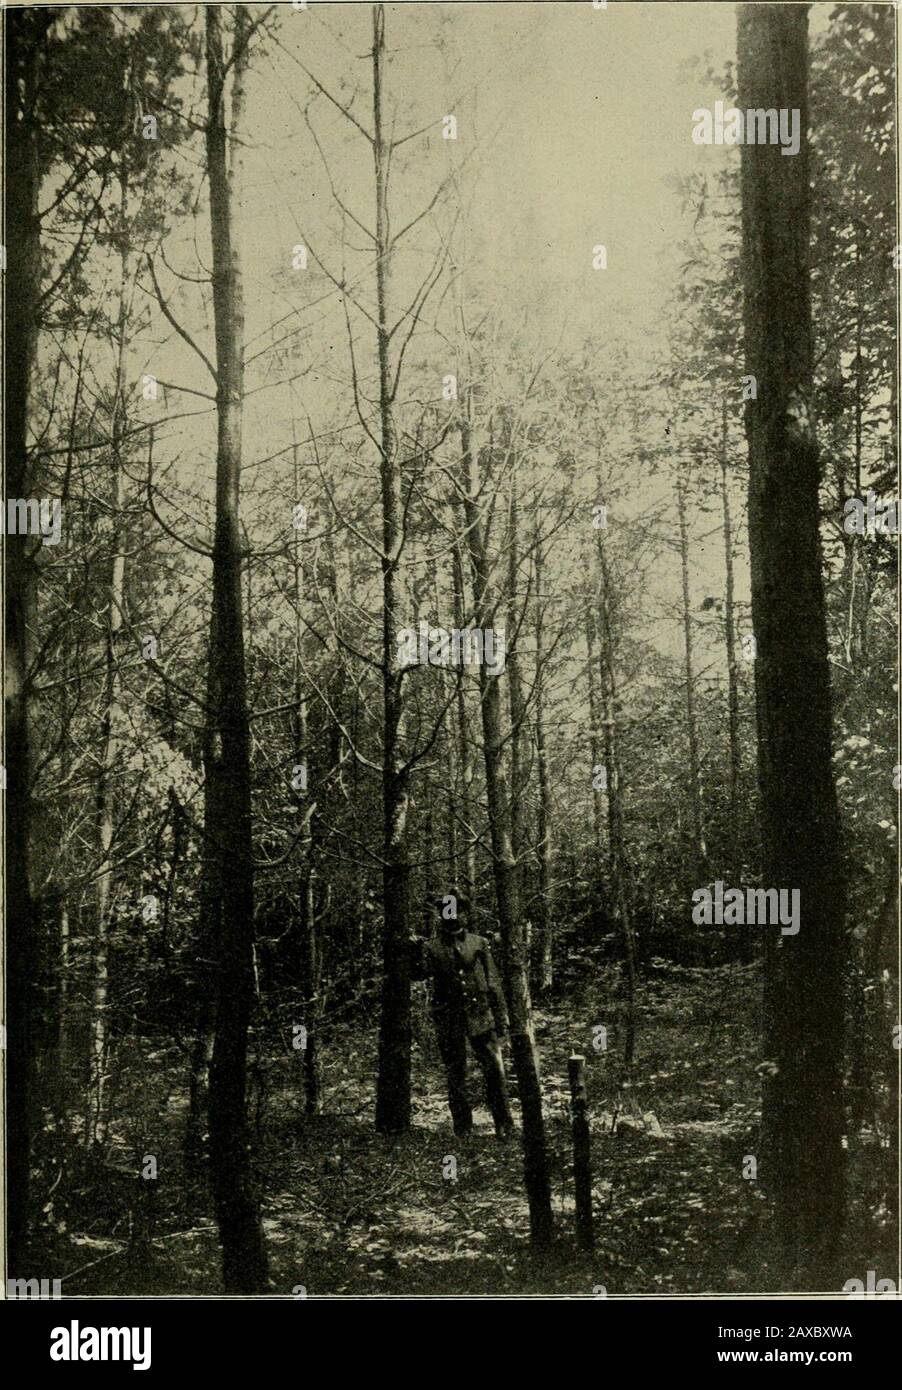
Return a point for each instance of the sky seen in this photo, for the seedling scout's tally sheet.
(574, 121)
(574, 127)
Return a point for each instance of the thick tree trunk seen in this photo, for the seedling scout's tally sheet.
(228, 805)
(24, 33)
(804, 1016)
(513, 953)
(393, 1082)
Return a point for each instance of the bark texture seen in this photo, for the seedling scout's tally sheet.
(804, 1023)
(228, 793)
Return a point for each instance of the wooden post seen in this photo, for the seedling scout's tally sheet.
(582, 1159)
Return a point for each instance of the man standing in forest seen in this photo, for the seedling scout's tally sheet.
(467, 1003)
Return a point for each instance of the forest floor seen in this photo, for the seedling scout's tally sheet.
(347, 1211)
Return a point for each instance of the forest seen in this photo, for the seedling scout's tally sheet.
(451, 636)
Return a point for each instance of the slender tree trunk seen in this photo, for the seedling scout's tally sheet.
(514, 955)
(446, 746)
(307, 797)
(618, 869)
(198, 1096)
(729, 624)
(465, 754)
(861, 573)
(595, 749)
(544, 941)
(582, 1152)
(311, 969)
(393, 1082)
(695, 780)
(618, 872)
(428, 830)
(804, 1016)
(111, 717)
(62, 1047)
(516, 699)
(228, 804)
(848, 585)
(71, 662)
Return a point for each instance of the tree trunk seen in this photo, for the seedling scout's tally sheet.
(228, 794)
(695, 781)
(729, 627)
(307, 799)
(111, 717)
(804, 1017)
(857, 626)
(311, 972)
(465, 755)
(544, 939)
(516, 699)
(393, 1082)
(198, 1097)
(595, 749)
(513, 954)
(24, 33)
(618, 869)
(582, 1152)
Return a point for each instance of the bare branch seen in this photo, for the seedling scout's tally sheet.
(170, 318)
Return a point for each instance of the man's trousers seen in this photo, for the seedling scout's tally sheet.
(453, 1047)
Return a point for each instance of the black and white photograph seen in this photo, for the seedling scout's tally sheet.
(451, 763)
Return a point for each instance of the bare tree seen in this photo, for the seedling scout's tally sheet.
(681, 487)
(603, 620)
(227, 812)
(498, 793)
